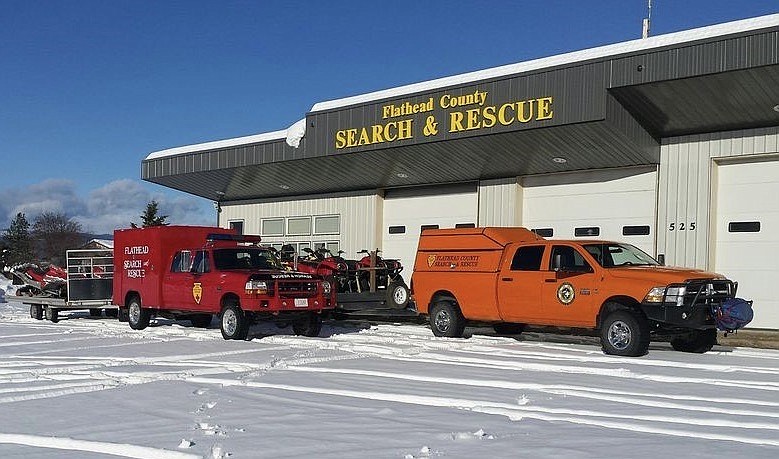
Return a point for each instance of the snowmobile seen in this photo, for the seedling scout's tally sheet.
(47, 280)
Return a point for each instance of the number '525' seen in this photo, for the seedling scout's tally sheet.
(681, 226)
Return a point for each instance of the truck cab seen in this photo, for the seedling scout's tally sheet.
(194, 273)
(511, 277)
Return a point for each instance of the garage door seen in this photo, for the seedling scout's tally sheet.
(747, 234)
(408, 211)
(614, 204)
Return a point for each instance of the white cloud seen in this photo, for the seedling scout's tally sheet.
(112, 206)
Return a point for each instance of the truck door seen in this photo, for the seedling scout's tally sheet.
(179, 289)
(569, 290)
(519, 281)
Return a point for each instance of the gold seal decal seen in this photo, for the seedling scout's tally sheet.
(566, 293)
(430, 260)
(197, 292)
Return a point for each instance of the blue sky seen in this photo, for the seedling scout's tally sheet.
(89, 88)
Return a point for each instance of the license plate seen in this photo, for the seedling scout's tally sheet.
(301, 302)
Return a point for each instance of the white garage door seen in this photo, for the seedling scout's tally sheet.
(407, 211)
(747, 232)
(614, 204)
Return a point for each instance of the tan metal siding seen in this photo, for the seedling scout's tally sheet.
(360, 214)
(499, 202)
(685, 188)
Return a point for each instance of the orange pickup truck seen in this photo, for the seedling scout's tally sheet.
(512, 277)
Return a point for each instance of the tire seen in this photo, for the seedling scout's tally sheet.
(95, 313)
(36, 311)
(123, 315)
(233, 322)
(446, 320)
(625, 333)
(201, 320)
(111, 312)
(397, 295)
(310, 325)
(696, 342)
(52, 315)
(137, 316)
(507, 328)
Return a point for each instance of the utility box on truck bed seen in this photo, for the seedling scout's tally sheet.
(194, 273)
(512, 277)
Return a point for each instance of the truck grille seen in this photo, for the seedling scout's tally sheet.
(289, 289)
(708, 291)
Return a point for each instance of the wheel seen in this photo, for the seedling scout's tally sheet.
(123, 315)
(52, 315)
(625, 333)
(137, 316)
(397, 295)
(111, 312)
(310, 325)
(696, 342)
(507, 328)
(36, 311)
(446, 320)
(95, 313)
(233, 322)
(201, 320)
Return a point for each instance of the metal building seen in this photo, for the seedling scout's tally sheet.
(670, 143)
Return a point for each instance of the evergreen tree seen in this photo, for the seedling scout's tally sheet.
(18, 241)
(150, 217)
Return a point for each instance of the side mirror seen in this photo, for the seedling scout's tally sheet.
(661, 259)
(557, 262)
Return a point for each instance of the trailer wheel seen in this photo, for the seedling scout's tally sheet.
(233, 322)
(137, 316)
(52, 314)
(696, 342)
(36, 311)
(200, 320)
(95, 312)
(625, 333)
(446, 320)
(310, 325)
(397, 295)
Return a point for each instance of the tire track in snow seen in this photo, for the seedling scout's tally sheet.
(89, 446)
(513, 412)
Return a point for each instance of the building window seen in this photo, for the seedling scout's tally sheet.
(543, 232)
(299, 226)
(641, 230)
(327, 225)
(427, 227)
(587, 231)
(744, 227)
(331, 246)
(237, 225)
(397, 229)
(465, 225)
(272, 227)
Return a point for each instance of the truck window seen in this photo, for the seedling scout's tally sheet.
(571, 259)
(528, 258)
(182, 262)
(245, 259)
(611, 255)
(201, 264)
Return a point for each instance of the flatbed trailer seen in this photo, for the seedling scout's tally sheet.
(89, 287)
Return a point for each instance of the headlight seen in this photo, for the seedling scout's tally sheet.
(256, 287)
(326, 287)
(673, 295)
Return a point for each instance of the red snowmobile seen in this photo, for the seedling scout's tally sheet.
(47, 280)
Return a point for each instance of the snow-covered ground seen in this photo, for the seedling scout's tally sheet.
(88, 388)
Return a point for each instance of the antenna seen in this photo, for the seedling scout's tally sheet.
(647, 22)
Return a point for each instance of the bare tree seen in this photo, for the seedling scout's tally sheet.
(54, 233)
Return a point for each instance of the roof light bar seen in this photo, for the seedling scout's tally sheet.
(213, 237)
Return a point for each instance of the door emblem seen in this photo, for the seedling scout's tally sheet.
(197, 292)
(430, 260)
(566, 293)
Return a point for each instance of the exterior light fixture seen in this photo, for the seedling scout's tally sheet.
(559, 160)
(284, 187)
(402, 175)
(776, 108)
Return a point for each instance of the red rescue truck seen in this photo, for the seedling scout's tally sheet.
(194, 273)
